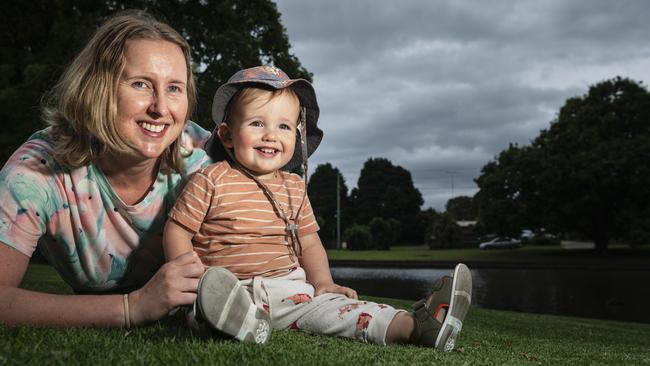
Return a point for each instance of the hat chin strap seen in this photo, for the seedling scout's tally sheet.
(291, 225)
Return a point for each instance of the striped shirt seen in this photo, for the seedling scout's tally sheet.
(236, 226)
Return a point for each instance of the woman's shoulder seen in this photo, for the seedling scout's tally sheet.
(194, 136)
(193, 141)
(34, 155)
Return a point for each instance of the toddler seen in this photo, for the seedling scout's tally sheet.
(251, 223)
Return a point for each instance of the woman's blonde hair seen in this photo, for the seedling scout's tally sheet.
(82, 107)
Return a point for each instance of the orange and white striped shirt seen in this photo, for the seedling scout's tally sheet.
(236, 226)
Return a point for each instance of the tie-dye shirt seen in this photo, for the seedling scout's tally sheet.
(95, 241)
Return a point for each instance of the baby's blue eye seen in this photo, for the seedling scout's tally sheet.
(257, 123)
(285, 126)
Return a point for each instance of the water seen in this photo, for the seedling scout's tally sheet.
(602, 294)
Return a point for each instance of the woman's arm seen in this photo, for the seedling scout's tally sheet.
(173, 285)
(314, 262)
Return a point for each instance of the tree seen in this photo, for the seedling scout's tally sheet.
(424, 220)
(588, 173)
(383, 233)
(461, 208)
(322, 195)
(387, 191)
(357, 237)
(444, 233)
(596, 174)
(39, 38)
(507, 190)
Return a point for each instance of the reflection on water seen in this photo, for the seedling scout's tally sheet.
(603, 294)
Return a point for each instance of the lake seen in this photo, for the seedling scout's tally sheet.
(614, 294)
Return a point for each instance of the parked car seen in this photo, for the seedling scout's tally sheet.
(501, 243)
(526, 234)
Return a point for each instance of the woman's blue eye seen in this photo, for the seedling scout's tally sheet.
(174, 89)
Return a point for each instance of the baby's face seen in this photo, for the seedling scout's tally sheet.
(263, 133)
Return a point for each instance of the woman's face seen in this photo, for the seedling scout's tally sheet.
(152, 96)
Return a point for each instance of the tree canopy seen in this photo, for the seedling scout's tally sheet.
(588, 174)
(387, 191)
(39, 38)
(461, 208)
(322, 195)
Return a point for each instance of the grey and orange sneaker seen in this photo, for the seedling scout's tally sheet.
(227, 308)
(439, 318)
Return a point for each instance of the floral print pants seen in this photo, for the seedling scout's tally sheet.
(291, 304)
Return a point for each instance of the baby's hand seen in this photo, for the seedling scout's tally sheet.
(335, 289)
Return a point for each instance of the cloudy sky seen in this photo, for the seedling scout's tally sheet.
(441, 87)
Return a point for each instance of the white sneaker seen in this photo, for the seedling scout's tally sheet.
(226, 306)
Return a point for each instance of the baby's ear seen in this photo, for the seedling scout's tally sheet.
(225, 135)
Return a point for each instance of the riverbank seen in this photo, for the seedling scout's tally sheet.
(489, 337)
(617, 257)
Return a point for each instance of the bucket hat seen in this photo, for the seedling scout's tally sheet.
(275, 78)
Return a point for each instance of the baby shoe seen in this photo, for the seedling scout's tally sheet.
(439, 318)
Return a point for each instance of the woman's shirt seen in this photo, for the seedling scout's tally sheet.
(95, 241)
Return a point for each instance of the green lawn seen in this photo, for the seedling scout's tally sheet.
(489, 337)
(616, 255)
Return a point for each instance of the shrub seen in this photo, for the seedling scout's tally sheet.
(384, 233)
(542, 239)
(357, 237)
(444, 233)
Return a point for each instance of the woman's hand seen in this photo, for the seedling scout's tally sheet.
(173, 285)
(333, 288)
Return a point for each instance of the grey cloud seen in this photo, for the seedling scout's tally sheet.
(441, 87)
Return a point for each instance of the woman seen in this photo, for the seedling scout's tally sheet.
(92, 191)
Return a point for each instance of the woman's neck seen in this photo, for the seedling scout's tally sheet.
(130, 179)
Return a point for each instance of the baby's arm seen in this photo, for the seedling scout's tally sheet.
(176, 240)
(314, 262)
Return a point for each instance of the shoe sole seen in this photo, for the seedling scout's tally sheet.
(461, 299)
(227, 307)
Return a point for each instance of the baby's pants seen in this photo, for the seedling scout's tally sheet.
(291, 304)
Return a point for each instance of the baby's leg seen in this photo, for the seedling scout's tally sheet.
(401, 329)
(292, 305)
(337, 315)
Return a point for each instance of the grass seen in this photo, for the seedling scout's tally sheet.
(616, 255)
(490, 337)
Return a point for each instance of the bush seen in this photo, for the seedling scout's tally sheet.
(444, 233)
(384, 233)
(357, 237)
(639, 234)
(542, 239)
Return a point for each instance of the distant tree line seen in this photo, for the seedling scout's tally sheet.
(586, 177)
(383, 210)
